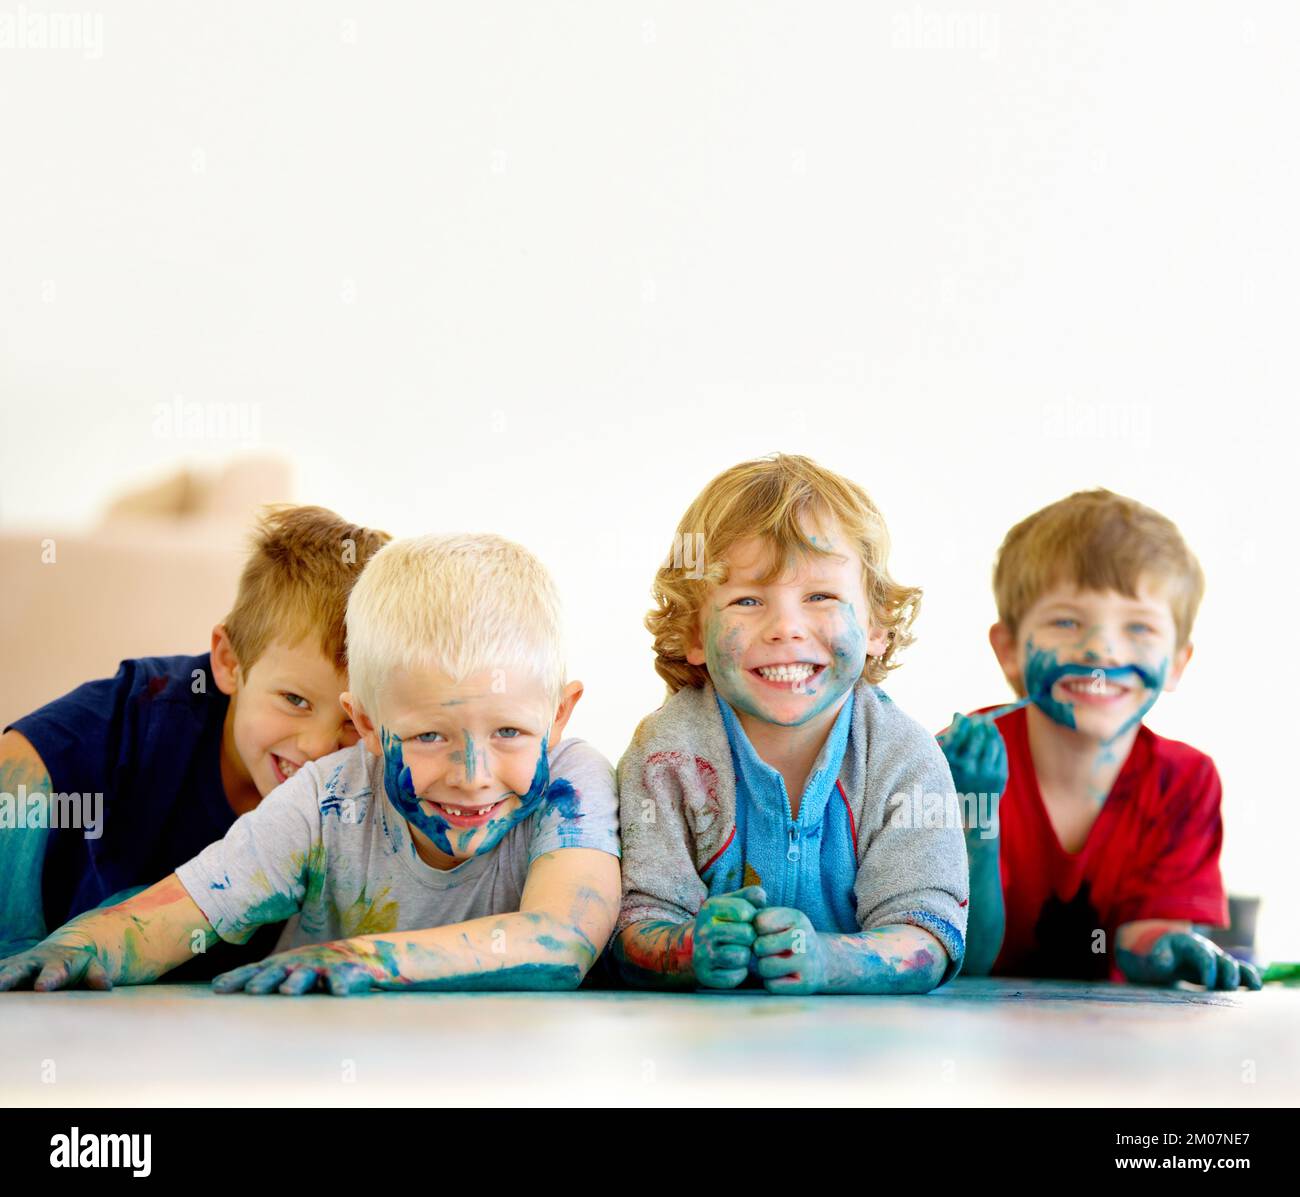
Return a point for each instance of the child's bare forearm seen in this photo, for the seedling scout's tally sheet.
(656, 955)
(527, 950)
(987, 920)
(895, 959)
(132, 943)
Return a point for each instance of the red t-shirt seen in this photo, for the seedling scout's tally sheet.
(1152, 853)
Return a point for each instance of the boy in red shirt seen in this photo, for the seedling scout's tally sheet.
(1104, 847)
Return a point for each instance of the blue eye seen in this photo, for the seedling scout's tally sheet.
(289, 698)
(1140, 627)
(823, 594)
(427, 737)
(1063, 621)
(746, 599)
(509, 733)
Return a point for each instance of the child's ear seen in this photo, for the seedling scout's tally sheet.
(365, 726)
(568, 700)
(1007, 653)
(1181, 657)
(225, 665)
(877, 642)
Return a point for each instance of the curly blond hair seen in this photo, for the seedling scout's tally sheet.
(769, 497)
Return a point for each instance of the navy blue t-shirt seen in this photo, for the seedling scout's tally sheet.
(149, 740)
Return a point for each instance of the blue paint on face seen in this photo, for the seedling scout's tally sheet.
(725, 646)
(1043, 670)
(401, 792)
(469, 757)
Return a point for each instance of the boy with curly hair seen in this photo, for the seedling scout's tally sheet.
(771, 828)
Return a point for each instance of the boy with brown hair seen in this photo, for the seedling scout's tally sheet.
(115, 784)
(1104, 847)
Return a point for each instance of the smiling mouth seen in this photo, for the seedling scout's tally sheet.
(284, 769)
(788, 676)
(462, 815)
(1089, 688)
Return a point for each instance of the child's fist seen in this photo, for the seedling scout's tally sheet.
(1186, 956)
(724, 935)
(789, 952)
(976, 754)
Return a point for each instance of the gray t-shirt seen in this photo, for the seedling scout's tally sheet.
(328, 851)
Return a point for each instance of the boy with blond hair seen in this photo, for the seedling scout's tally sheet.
(166, 754)
(1103, 848)
(462, 844)
(769, 823)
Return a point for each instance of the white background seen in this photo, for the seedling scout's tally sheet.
(545, 269)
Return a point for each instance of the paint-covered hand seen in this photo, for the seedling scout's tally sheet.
(724, 937)
(790, 955)
(976, 754)
(69, 960)
(333, 967)
(1186, 956)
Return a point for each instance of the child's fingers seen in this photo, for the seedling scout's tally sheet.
(729, 932)
(777, 918)
(791, 983)
(755, 895)
(347, 979)
(993, 756)
(1250, 976)
(299, 980)
(728, 978)
(1194, 960)
(269, 978)
(235, 980)
(96, 976)
(53, 975)
(954, 739)
(779, 941)
(728, 956)
(769, 967)
(1229, 972)
(16, 971)
(730, 910)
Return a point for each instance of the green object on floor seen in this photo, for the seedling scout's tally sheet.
(1281, 971)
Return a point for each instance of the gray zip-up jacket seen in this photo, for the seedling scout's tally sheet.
(893, 832)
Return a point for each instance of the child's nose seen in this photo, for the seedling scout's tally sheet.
(784, 623)
(470, 771)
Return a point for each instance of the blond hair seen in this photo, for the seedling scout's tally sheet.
(768, 498)
(1097, 540)
(295, 582)
(459, 604)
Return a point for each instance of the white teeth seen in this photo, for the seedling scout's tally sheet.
(288, 768)
(787, 673)
(1088, 686)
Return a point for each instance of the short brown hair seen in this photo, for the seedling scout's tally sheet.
(296, 581)
(1097, 540)
(767, 498)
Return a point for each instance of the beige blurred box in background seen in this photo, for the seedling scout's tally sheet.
(150, 579)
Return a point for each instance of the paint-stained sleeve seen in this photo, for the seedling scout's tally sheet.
(259, 871)
(912, 868)
(581, 806)
(660, 880)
